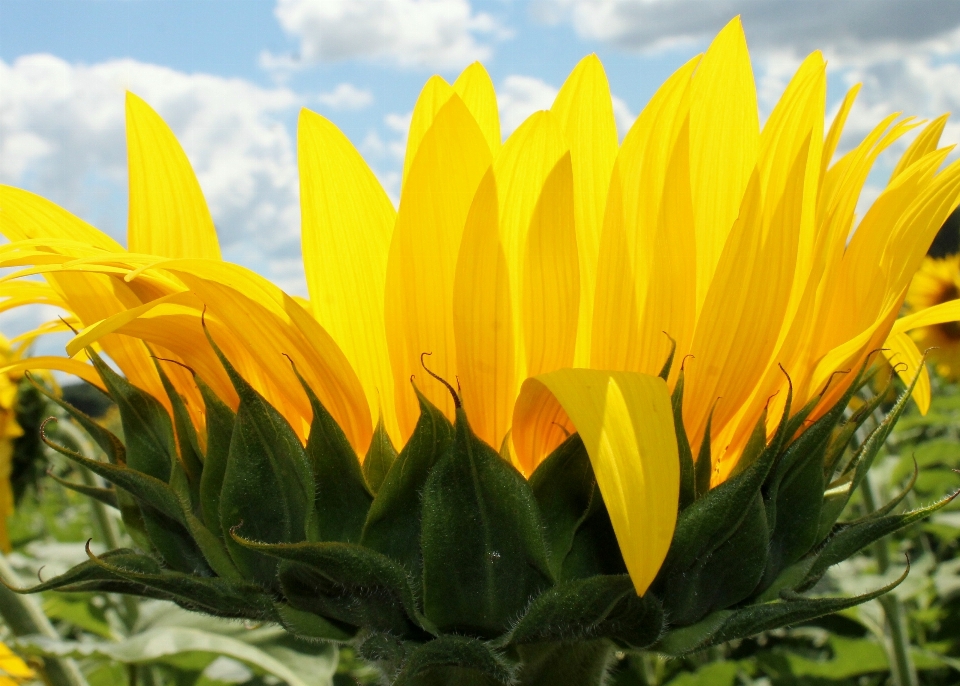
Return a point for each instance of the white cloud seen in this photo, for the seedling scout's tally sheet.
(624, 116)
(520, 96)
(62, 136)
(843, 27)
(346, 96)
(439, 34)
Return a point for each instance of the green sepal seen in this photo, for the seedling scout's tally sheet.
(451, 659)
(751, 620)
(220, 421)
(89, 572)
(268, 489)
(107, 496)
(147, 431)
(668, 363)
(755, 446)
(211, 595)
(859, 465)
(347, 583)
(109, 444)
(703, 467)
(483, 549)
(342, 498)
(843, 434)
(161, 515)
(173, 542)
(711, 520)
(688, 486)
(211, 546)
(587, 609)
(565, 487)
(191, 459)
(310, 626)
(145, 488)
(851, 538)
(380, 457)
(393, 522)
(595, 548)
(722, 577)
(800, 495)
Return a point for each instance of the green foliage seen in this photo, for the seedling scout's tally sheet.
(444, 565)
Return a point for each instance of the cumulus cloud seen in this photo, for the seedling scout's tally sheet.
(346, 96)
(520, 96)
(62, 136)
(439, 34)
(844, 28)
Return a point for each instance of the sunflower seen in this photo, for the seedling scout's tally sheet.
(938, 282)
(10, 430)
(549, 277)
(13, 670)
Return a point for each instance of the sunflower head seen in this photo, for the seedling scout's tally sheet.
(938, 282)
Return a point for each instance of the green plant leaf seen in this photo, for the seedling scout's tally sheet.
(268, 488)
(342, 498)
(722, 577)
(220, 421)
(482, 540)
(311, 626)
(565, 487)
(587, 609)
(458, 653)
(688, 486)
(380, 457)
(147, 431)
(849, 539)
(107, 496)
(393, 522)
(347, 583)
(170, 645)
(191, 459)
(729, 625)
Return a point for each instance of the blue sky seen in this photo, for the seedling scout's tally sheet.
(230, 76)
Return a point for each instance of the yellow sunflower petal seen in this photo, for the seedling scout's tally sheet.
(626, 423)
(476, 90)
(936, 314)
(435, 94)
(925, 142)
(584, 110)
(24, 215)
(347, 224)
(168, 214)
(907, 360)
(450, 162)
(724, 139)
(483, 320)
(551, 277)
(79, 369)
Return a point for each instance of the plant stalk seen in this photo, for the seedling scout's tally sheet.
(903, 669)
(24, 617)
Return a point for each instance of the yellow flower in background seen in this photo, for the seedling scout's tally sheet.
(938, 282)
(541, 273)
(13, 670)
(10, 430)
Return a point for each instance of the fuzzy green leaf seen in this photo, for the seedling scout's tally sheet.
(482, 541)
(345, 582)
(587, 609)
(393, 522)
(448, 657)
(564, 486)
(342, 498)
(220, 420)
(380, 457)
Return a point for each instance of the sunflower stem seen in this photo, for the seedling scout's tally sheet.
(25, 617)
(903, 670)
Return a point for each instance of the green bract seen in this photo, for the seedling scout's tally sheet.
(442, 564)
